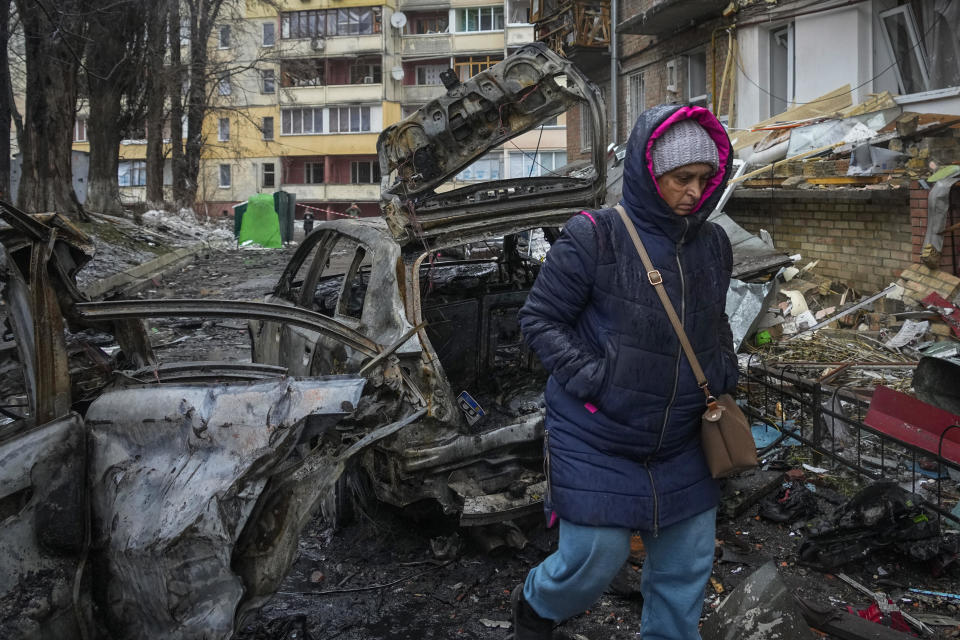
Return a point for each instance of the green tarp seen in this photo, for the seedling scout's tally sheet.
(260, 224)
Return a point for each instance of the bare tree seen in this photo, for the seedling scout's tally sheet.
(6, 98)
(54, 37)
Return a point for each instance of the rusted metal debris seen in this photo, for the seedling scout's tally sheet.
(179, 491)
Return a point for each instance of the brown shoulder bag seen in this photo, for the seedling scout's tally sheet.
(725, 432)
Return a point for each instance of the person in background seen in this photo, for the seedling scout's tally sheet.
(623, 409)
(353, 210)
(307, 223)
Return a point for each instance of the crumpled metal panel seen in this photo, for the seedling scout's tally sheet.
(175, 473)
(43, 511)
(430, 146)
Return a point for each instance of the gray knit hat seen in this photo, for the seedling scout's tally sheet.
(685, 142)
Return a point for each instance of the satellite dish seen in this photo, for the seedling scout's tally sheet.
(396, 73)
(398, 19)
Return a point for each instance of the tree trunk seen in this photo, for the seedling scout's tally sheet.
(105, 134)
(176, 108)
(52, 55)
(6, 95)
(156, 90)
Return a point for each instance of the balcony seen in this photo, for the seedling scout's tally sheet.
(421, 93)
(666, 16)
(332, 94)
(427, 45)
(578, 30)
(334, 46)
(476, 42)
(334, 192)
(423, 5)
(519, 34)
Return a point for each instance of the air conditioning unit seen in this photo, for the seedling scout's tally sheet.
(318, 44)
(367, 79)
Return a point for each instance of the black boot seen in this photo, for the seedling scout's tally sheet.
(527, 625)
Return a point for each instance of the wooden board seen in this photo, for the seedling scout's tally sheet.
(826, 105)
(848, 180)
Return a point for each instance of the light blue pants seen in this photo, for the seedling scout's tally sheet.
(675, 572)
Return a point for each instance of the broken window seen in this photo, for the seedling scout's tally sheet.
(429, 74)
(486, 168)
(303, 73)
(349, 119)
(302, 121)
(476, 19)
(268, 81)
(427, 23)
(519, 11)
(697, 78)
(470, 66)
(342, 287)
(269, 174)
(524, 164)
(313, 173)
(330, 22)
(366, 71)
(132, 173)
(922, 45)
(638, 97)
(225, 177)
(269, 34)
(781, 68)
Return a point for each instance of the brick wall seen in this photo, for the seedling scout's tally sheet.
(865, 243)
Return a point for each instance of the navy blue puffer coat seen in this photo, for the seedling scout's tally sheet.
(623, 407)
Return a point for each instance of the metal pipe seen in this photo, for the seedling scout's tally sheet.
(614, 102)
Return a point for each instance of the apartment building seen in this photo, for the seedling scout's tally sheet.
(309, 84)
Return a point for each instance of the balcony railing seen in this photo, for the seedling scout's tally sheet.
(333, 46)
(567, 25)
(426, 45)
(332, 94)
(421, 93)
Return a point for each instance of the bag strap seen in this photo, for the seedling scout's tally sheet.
(653, 275)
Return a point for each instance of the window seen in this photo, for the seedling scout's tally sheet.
(349, 119)
(266, 126)
(223, 39)
(478, 19)
(429, 74)
(330, 22)
(308, 120)
(269, 34)
(269, 174)
(268, 82)
(132, 173)
(427, 23)
(903, 43)
(519, 11)
(697, 78)
(470, 66)
(303, 73)
(366, 71)
(671, 71)
(365, 172)
(638, 98)
(485, 168)
(223, 130)
(80, 130)
(551, 122)
(781, 80)
(313, 173)
(524, 164)
(224, 176)
(223, 86)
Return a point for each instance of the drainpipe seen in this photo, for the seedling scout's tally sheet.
(614, 126)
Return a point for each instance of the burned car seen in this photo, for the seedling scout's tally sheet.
(141, 499)
(450, 321)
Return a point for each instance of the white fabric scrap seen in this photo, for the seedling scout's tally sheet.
(910, 331)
